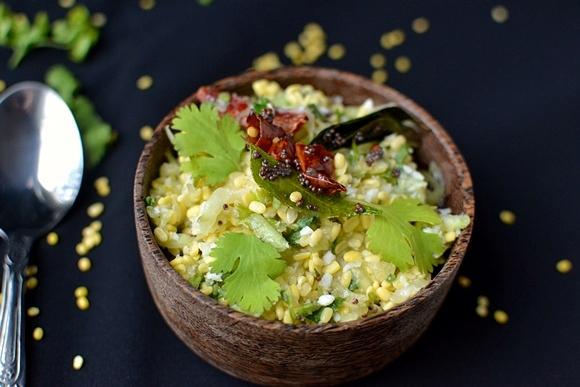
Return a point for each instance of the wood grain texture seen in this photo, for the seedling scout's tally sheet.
(267, 352)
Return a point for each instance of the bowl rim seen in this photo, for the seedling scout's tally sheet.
(449, 268)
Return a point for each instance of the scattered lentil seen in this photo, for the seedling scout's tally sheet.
(31, 283)
(38, 333)
(81, 291)
(392, 39)
(403, 64)
(144, 82)
(464, 281)
(84, 264)
(33, 311)
(500, 316)
(2, 85)
(81, 249)
(564, 266)
(82, 303)
(380, 76)
(146, 133)
(95, 210)
(420, 25)
(482, 311)
(500, 14)
(31, 270)
(102, 186)
(268, 61)
(377, 60)
(336, 51)
(507, 217)
(52, 238)
(483, 300)
(78, 362)
(147, 5)
(66, 3)
(99, 19)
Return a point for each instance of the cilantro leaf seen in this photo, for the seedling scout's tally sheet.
(96, 134)
(397, 240)
(212, 143)
(75, 33)
(251, 266)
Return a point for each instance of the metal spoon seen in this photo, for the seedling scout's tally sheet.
(41, 168)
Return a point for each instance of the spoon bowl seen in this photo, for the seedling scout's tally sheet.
(41, 169)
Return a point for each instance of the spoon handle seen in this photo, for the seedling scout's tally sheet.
(11, 341)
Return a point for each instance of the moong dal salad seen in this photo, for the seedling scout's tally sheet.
(291, 206)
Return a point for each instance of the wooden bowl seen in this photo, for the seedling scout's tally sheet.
(266, 352)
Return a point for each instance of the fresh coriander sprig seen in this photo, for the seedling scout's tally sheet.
(397, 236)
(75, 33)
(96, 134)
(212, 143)
(249, 266)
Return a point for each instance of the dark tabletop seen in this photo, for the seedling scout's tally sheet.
(509, 94)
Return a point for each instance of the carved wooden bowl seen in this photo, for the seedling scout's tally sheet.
(267, 352)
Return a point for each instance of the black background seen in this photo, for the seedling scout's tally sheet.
(508, 93)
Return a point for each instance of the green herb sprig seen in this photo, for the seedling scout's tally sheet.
(96, 134)
(75, 33)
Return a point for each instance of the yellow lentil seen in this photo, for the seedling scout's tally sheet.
(84, 264)
(2, 85)
(144, 82)
(420, 25)
(336, 51)
(352, 255)
(33, 311)
(380, 76)
(383, 294)
(464, 281)
(292, 50)
(332, 268)
(403, 64)
(31, 283)
(252, 132)
(507, 217)
(146, 133)
(31, 270)
(99, 19)
(483, 300)
(257, 207)
(500, 14)
(377, 60)
(81, 291)
(81, 249)
(268, 61)
(78, 362)
(287, 317)
(500, 316)
(38, 333)
(95, 210)
(326, 315)
(146, 5)
(83, 303)
(96, 225)
(295, 197)
(52, 238)
(482, 311)
(102, 186)
(564, 266)
(66, 3)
